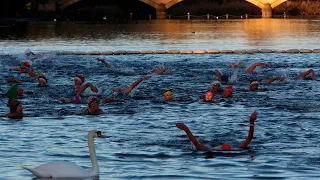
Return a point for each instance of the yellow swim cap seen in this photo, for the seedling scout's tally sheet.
(168, 91)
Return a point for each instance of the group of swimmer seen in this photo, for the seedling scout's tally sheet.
(114, 94)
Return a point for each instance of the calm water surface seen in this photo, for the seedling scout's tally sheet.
(162, 34)
(142, 140)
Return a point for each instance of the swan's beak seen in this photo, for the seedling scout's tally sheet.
(101, 136)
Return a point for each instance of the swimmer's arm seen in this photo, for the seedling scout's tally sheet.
(194, 141)
(304, 74)
(85, 111)
(15, 69)
(246, 142)
(82, 88)
(253, 67)
(104, 62)
(31, 73)
(65, 100)
(14, 80)
(271, 80)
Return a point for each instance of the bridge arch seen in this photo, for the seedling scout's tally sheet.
(266, 6)
(161, 6)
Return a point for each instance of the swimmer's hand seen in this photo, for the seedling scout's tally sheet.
(98, 59)
(181, 126)
(253, 117)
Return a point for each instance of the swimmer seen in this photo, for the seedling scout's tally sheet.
(304, 75)
(104, 62)
(80, 86)
(167, 95)
(24, 69)
(126, 91)
(15, 110)
(251, 69)
(209, 97)
(93, 106)
(202, 147)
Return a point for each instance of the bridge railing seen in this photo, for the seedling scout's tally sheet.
(189, 16)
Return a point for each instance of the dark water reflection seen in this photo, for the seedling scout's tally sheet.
(142, 140)
(162, 34)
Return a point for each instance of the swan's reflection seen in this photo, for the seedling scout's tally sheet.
(93, 178)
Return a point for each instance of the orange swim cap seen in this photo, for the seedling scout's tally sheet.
(226, 147)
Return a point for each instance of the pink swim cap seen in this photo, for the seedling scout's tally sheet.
(76, 99)
(226, 147)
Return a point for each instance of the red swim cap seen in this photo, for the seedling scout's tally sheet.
(226, 147)
(80, 78)
(26, 63)
(229, 88)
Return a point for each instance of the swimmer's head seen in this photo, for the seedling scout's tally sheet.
(209, 95)
(226, 147)
(227, 92)
(93, 103)
(42, 81)
(167, 94)
(254, 84)
(92, 99)
(215, 85)
(15, 106)
(78, 80)
(13, 92)
(40, 74)
(26, 64)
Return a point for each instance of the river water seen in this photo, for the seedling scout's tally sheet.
(142, 140)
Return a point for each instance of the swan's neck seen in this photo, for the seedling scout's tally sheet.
(95, 167)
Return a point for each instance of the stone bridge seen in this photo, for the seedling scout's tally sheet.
(161, 6)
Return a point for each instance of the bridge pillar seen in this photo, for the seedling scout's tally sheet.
(161, 11)
(267, 11)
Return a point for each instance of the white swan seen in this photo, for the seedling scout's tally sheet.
(66, 169)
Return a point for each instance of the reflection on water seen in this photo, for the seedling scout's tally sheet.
(163, 34)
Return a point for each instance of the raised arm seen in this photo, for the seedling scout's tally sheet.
(82, 88)
(253, 66)
(304, 74)
(194, 141)
(104, 62)
(246, 142)
(136, 83)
